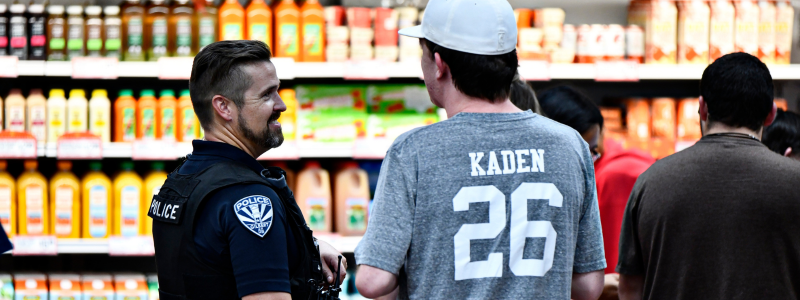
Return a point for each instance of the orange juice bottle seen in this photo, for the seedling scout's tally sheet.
(65, 202)
(37, 114)
(205, 23)
(152, 185)
(166, 116)
(259, 22)
(313, 196)
(133, 30)
(288, 118)
(188, 125)
(125, 117)
(351, 188)
(15, 111)
(312, 32)
(130, 211)
(287, 30)
(181, 31)
(231, 21)
(146, 115)
(155, 30)
(97, 202)
(32, 191)
(8, 201)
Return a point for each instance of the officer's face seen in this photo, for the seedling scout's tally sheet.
(258, 118)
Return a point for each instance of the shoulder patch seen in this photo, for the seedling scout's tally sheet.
(255, 213)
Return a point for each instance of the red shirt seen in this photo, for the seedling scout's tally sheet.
(615, 172)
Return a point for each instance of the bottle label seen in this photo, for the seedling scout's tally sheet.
(94, 37)
(312, 39)
(34, 209)
(5, 207)
(258, 32)
(189, 124)
(207, 30)
(100, 124)
(148, 124)
(16, 118)
(135, 35)
(232, 32)
(98, 211)
(168, 124)
(288, 39)
(75, 37)
(184, 37)
(64, 204)
(316, 213)
(3, 35)
(77, 119)
(129, 211)
(36, 117)
(160, 36)
(128, 124)
(356, 213)
(57, 43)
(57, 127)
(113, 42)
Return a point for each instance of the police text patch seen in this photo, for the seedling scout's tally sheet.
(255, 213)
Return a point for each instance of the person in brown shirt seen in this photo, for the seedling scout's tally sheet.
(721, 219)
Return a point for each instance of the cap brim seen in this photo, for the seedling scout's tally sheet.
(415, 31)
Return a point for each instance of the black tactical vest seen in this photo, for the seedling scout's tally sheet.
(182, 273)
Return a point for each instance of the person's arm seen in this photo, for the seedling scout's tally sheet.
(268, 296)
(631, 287)
(587, 286)
(372, 282)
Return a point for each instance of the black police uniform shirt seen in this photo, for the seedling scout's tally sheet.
(259, 264)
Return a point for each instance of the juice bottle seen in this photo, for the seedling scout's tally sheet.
(65, 286)
(100, 115)
(231, 21)
(688, 120)
(56, 27)
(206, 16)
(313, 196)
(721, 39)
(146, 115)
(287, 30)
(76, 111)
(766, 31)
(187, 121)
(97, 204)
(259, 22)
(32, 191)
(76, 43)
(128, 198)
(290, 175)
(166, 116)
(65, 205)
(783, 32)
(746, 29)
(155, 29)
(152, 185)
(8, 200)
(693, 32)
(37, 115)
(313, 34)
(15, 111)
(3, 30)
(288, 118)
(56, 115)
(125, 117)
(351, 199)
(132, 30)
(37, 39)
(181, 32)
(112, 32)
(18, 32)
(94, 31)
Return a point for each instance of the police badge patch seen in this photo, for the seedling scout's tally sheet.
(255, 213)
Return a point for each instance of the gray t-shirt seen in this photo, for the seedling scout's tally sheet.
(486, 206)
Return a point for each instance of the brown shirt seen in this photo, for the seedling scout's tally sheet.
(719, 220)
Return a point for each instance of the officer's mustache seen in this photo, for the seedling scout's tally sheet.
(274, 117)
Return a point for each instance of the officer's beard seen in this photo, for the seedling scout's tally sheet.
(266, 138)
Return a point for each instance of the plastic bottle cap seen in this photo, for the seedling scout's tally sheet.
(148, 93)
(35, 92)
(55, 9)
(15, 92)
(101, 93)
(157, 166)
(126, 93)
(77, 93)
(31, 164)
(287, 93)
(186, 93)
(312, 164)
(74, 9)
(350, 165)
(36, 8)
(64, 165)
(127, 165)
(17, 8)
(56, 93)
(167, 93)
(95, 166)
(111, 10)
(94, 10)
(3, 164)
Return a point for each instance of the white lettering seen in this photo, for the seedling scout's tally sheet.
(475, 159)
(494, 167)
(172, 215)
(509, 166)
(537, 161)
(154, 207)
(521, 167)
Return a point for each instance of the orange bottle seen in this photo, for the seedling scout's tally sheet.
(231, 21)
(312, 32)
(287, 30)
(146, 123)
(167, 105)
(188, 125)
(125, 117)
(259, 22)
(313, 195)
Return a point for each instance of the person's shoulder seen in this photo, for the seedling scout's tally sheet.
(231, 195)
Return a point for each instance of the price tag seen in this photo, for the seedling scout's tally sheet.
(17, 145)
(79, 146)
(35, 245)
(131, 246)
(371, 148)
(175, 67)
(95, 68)
(534, 70)
(153, 150)
(287, 151)
(9, 66)
(616, 71)
(366, 70)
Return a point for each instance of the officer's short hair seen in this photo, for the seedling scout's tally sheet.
(217, 71)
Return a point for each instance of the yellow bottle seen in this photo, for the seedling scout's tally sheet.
(288, 118)
(65, 203)
(8, 201)
(77, 106)
(100, 115)
(152, 185)
(127, 198)
(56, 115)
(97, 204)
(32, 191)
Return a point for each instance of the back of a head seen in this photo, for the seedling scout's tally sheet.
(217, 71)
(783, 133)
(738, 90)
(523, 96)
(570, 107)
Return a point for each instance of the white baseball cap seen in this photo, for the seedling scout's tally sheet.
(485, 27)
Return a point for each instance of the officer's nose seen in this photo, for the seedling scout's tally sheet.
(279, 106)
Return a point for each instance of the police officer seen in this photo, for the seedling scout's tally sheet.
(225, 227)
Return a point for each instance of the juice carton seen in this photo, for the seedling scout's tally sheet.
(32, 206)
(8, 201)
(313, 196)
(37, 114)
(130, 286)
(152, 185)
(65, 195)
(352, 196)
(30, 286)
(231, 21)
(97, 286)
(125, 117)
(97, 204)
(638, 119)
(746, 28)
(722, 37)
(688, 119)
(6, 287)
(661, 32)
(783, 32)
(15, 111)
(390, 126)
(146, 120)
(331, 98)
(664, 118)
(130, 212)
(77, 109)
(693, 32)
(56, 115)
(328, 127)
(100, 115)
(396, 98)
(167, 106)
(65, 286)
(766, 31)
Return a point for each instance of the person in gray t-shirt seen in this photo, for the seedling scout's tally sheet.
(493, 203)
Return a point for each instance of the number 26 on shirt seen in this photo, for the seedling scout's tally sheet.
(521, 229)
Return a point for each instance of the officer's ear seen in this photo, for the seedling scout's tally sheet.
(223, 107)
